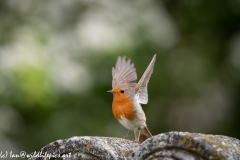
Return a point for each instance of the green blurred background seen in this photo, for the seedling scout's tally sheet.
(56, 59)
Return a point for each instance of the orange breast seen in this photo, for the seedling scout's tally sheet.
(123, 106)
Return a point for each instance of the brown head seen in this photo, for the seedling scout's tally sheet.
(119, 94)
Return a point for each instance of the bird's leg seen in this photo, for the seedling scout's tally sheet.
(139, 136)
(126, 137)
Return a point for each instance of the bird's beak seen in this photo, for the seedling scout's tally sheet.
(111, 91)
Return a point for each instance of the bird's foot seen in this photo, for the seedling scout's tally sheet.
(136, 141)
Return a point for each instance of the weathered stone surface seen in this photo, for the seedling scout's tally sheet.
(86, 147)
(166, 146)
(184, 145)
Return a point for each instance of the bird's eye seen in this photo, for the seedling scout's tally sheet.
(122, 91)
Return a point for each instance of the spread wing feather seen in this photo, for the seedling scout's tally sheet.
(124, 74)
(141, 88)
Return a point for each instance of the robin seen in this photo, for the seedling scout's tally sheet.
(128, 95)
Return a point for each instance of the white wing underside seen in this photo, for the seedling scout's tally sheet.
(124, 76)
(141, 88)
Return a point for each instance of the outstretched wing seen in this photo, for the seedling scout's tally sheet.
(141, 88)
(124, 74)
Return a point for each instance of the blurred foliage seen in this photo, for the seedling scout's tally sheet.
(56, 59)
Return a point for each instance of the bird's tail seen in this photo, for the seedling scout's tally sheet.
(144, 134)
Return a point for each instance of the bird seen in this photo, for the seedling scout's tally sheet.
(128, 95)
